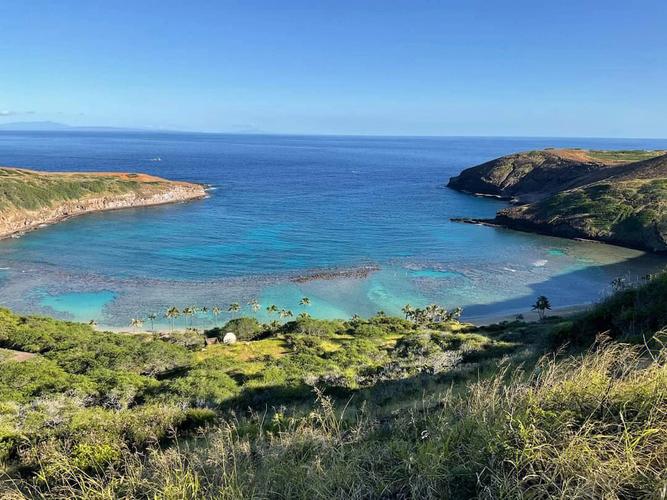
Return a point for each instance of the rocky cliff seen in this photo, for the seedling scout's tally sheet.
(615, 197)
(30, 199)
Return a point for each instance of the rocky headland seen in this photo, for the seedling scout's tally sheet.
(617, 197)
(31, 199)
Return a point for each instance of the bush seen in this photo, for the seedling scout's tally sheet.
(244, 328)
(632, 314)
(311, 326)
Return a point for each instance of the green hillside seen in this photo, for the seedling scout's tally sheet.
(29, 199)
(384, 407)
(601, 195)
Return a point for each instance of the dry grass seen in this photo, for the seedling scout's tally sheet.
(591, 426)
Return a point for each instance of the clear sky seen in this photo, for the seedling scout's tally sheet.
(389, 67)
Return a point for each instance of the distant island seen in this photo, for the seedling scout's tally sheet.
(617, 197)
(31, 199)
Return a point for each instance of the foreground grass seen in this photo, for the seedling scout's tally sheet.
(374, 408)
(592, 426)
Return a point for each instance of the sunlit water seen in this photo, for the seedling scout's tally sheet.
(284, 207)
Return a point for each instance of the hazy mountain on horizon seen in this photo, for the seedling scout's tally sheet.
(50, 126)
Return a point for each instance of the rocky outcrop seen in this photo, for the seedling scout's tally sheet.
(618, 202)
(141, 192)
(533, 175)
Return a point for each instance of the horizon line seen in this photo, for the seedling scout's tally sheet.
(138, 130)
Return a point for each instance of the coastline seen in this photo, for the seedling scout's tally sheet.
(529, 315)
(151, 191)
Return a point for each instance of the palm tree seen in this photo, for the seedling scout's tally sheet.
(172, 313)
(541, 305)
(381, 314)
(285, 313)
(216, 312)
(303, 315)
(203, 310)
(431, 312)
(272, 309)
(456, 313)
(408, 310)
(136, 323)
(254, 305)
(92, 323)
(233, 308)
(152, 317)
(419, 316)
(188, 312)
(305, 301)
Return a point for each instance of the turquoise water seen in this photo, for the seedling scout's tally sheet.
(80, 306)
(282, 208)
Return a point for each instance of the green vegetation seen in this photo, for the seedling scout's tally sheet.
(623, 156)
(382, 407)
(633, 213)
(29, 198)
(614, 196)
(27, 190)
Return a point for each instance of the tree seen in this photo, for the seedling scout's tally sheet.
(305, 301)
(216, 312)
(136, 323)
(303, 315)
(272, 309)
(152, 317)
(433, 312)
(172, 313)
(188, 312)
(233, 308)
(254, 305)
(285, 313)
(408, 310)
(541, 305)
(456, 314)
(92, 323)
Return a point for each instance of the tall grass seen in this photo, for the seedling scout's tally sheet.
(590, 426)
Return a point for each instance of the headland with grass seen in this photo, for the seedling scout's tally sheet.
(617, 197)
(31, 199)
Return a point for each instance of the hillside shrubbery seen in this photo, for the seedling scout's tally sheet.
(376, 408)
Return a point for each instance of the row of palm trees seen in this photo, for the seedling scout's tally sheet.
(432, 313)
(191, 312)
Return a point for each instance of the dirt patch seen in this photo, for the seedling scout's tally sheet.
(11, 355)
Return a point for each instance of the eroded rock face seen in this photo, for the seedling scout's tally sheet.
(572, 194)
(151, 192)
(527, 176)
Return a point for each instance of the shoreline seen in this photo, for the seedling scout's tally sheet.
(529, 315)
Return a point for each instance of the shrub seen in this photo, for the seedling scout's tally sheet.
(311, 326)
(244, 328)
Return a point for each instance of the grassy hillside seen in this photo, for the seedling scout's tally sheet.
(29, 190)
(618, 197)
(375, 408)
(29, 198)
(533, 175)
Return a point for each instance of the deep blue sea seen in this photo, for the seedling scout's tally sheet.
(281, 207)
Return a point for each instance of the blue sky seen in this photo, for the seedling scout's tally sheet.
(390, 67)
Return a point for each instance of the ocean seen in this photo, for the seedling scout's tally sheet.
(293, 216)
